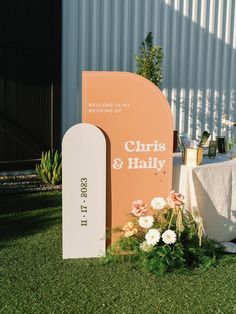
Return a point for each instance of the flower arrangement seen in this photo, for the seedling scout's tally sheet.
(164, 237)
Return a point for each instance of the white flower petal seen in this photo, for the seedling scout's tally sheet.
(169, 237)
(145, 247)
(158, 203)
(152, 237)
(146, 221)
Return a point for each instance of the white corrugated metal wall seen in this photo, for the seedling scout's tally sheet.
(199, 42)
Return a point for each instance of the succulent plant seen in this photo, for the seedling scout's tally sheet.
(50, 168)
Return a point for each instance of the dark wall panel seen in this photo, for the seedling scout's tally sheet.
(29, 78)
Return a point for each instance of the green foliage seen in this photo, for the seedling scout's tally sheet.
(50, 168)
(203, 256)
(35, 279)
(162, 259)
(190, 250)
(149, 62)
(165, 258)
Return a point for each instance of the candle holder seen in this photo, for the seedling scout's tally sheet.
(193, 156)
(212, 149)
(221, 144)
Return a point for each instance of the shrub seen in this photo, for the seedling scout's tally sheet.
(50, 168)
(149, 62)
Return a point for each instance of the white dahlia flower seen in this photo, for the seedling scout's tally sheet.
(158, 203)
(145, 247)
(146, 221)
(152, 237)
(169, 237)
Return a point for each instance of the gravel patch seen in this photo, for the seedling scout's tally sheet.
(24, 184)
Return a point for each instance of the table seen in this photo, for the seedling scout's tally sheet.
(211, 189)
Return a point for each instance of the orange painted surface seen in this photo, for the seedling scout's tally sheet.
(137, 121)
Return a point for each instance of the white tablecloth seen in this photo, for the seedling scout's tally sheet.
(211, 189)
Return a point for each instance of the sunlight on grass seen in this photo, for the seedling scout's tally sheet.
(35, 279)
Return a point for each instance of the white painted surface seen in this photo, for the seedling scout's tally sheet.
(84, 192)
(199, 42)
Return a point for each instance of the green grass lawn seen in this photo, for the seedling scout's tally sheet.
(35, 279)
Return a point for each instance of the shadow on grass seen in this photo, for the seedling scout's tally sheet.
(13, 228)
(28, 214)
(24, 202)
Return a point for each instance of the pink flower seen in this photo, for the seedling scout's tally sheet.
(175, 199)
(139, 208)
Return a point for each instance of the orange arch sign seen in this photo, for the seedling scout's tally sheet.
(137, 122)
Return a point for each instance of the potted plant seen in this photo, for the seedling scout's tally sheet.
(149, 62)
(149, 65)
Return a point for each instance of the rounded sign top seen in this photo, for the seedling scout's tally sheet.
(82, 127)
(84, 191)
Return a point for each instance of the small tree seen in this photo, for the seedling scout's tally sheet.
(149, 62)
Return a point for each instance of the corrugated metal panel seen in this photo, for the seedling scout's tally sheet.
(199, 42)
